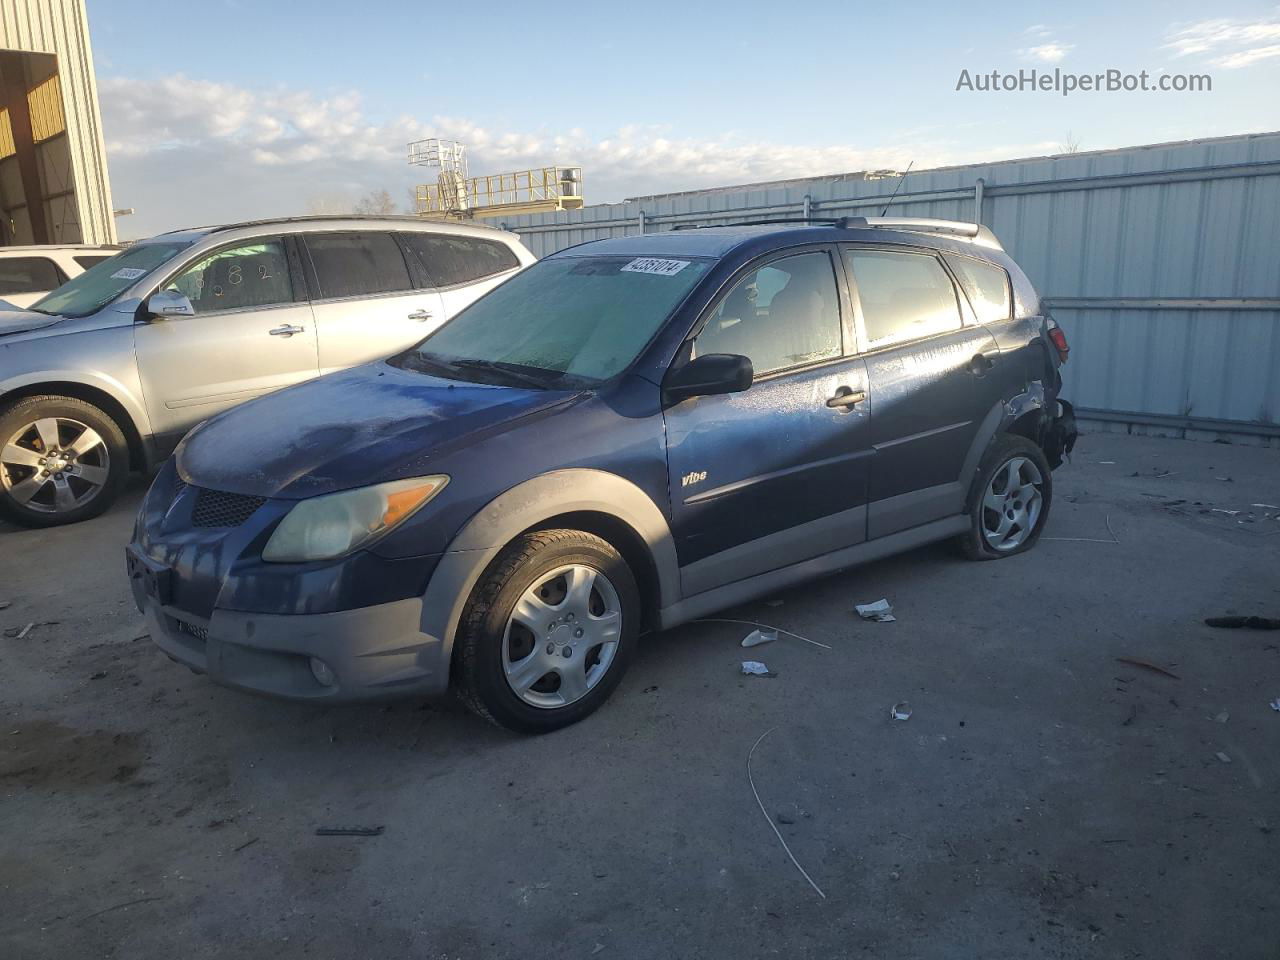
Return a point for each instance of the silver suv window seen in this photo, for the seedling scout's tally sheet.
(255, 274)
(357, 264)
(451, 260)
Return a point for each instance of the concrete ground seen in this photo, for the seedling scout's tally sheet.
(1043, 800)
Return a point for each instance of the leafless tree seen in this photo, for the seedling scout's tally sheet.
(376, 203)
(328, 204)
(1071, 144)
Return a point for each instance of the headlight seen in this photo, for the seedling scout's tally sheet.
(325, 527)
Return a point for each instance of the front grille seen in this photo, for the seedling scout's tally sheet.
(217, 509)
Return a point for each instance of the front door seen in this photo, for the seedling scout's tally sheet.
(776, 474)
(252, 333)
(926, 370)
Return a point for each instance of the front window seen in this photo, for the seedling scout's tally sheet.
(567, 321)
(786, 314)
(99, 285)
(253, 275)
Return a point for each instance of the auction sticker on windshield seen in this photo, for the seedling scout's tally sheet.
(664, 268)
(128, 273)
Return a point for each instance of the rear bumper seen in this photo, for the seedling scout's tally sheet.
(373, 653)
(1061, 435)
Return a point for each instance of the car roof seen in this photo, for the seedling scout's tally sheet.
(717, 242)
(331, 222)
(60, 247)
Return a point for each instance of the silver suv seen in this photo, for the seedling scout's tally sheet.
(109, 371)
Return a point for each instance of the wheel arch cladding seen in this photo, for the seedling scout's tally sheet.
(100, 398)
(608, 502)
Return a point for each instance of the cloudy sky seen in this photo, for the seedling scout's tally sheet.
(233, 109)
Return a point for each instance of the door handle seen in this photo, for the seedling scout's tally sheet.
(846, 398)
(420, 315)
(982, 362)
(288, 330)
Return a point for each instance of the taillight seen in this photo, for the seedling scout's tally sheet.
(1060, 342)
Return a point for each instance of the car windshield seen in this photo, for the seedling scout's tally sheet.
(564, 322)
(101, 284)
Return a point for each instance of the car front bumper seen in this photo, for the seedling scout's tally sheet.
(371, 653)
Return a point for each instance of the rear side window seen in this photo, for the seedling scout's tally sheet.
(254, 274)
(903, 296)
(29, 275)
(986, 286)
(88, 260)
(358, 264)
(451, 260)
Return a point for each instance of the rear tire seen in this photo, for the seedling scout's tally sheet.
(548, 632)
(1010, 499)
(62, 460)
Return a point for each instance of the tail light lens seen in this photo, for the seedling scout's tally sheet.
(1060, 342)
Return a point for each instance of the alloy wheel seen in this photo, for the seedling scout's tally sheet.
(1012, 504)
(54, 465)
(562, 636)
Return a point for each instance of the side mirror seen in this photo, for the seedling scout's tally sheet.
(169, 303)
(710, 374)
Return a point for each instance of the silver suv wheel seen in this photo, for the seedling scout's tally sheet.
(54, 465)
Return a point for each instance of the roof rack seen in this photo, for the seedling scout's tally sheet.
(810, 221)
(961, 230)
(958, 229)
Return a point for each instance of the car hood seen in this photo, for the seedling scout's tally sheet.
(349, 429)
(15, 320)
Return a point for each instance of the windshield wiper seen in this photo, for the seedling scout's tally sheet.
(515, 371)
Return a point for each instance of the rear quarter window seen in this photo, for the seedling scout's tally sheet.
(986, 286)
(451, 260)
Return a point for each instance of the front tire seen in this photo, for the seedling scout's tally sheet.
(549, 631)
(62, 460)
(1010, 500)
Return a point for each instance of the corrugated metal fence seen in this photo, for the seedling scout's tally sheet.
(1162, 263)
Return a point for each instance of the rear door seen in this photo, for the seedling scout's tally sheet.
(368, 304)
(929, 392)
(460, 267)
(252, 333)
(776, 474)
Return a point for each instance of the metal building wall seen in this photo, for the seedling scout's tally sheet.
(1162, 262)
(61, 27)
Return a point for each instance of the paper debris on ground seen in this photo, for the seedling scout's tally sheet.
(880, 612)
(1275, 704)
(900, 711)
(754, 668)
(756, 637)
(1223, 717)
(1223, 757)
